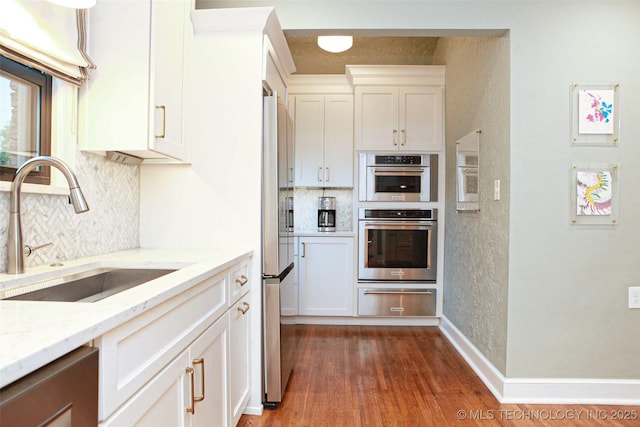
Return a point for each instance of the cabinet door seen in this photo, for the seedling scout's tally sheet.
(338, 141)
(420, 118)
(167, 71)
(309, 140)
(114, 101)
(376, 118)
(326, 276)
(209, 361)
(239, 359)
(161, 402)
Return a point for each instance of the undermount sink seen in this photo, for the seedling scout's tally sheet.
(87, 286)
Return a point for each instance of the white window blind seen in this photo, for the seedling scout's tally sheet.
(45, 36)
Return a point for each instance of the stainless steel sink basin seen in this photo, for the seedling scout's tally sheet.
(87, 286)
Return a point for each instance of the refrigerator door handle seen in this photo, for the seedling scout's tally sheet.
(280, 276)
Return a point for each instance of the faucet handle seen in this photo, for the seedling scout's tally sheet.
(28, 250)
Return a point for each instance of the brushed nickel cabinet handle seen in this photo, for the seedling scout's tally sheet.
(404, 137)
(395, 137)
(319, 173)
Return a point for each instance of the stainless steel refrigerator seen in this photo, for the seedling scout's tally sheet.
(278, 270)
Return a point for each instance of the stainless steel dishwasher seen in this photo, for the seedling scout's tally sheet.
(63, 393)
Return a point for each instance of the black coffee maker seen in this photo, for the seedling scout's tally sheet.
(326, 214)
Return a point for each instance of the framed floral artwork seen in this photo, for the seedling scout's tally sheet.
(595, 115)
(594, 193)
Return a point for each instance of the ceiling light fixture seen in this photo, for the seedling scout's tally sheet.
(335, 44)
(74, 4)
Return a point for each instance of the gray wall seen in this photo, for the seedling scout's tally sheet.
(567, 285)
(476, 261)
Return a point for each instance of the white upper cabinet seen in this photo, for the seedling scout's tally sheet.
(324, 140)
(134, 101)
(398, 108)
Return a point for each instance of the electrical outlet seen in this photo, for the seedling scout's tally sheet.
(634, 297)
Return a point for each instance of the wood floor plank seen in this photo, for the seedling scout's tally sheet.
(386, 376)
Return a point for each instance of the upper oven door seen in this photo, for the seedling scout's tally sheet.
(397, 250)
(397, 184)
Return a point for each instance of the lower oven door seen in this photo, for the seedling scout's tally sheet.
(397, 251)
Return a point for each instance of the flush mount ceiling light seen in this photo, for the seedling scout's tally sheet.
(75, 4)
(335, 44)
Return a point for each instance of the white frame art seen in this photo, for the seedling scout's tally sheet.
(594, 194)
(595, 114)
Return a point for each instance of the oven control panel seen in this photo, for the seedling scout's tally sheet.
(430, 214)
(398, 160)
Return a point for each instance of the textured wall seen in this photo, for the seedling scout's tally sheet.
(477, 244)
(112, 223)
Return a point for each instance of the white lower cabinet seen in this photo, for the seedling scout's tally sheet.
(238, 358)
(160, 402)
(207, 400)
(190, 391)
(182, 363)
(325, 276)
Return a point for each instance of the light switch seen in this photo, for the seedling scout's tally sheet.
(496, 189)
(634, 297)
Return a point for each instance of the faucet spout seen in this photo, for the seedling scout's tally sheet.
(15, 247)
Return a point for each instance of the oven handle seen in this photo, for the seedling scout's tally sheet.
(401, 171)
(393, 292)
(419, 225)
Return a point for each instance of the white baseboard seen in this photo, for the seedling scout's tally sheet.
(541, 390)
(253, 410)
(489, 374)
(362, 320)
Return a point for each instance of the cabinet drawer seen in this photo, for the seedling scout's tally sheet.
(238, 281)
(134, 352)
(396, 302)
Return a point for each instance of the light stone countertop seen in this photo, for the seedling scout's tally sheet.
(34, 333)
(315, 233)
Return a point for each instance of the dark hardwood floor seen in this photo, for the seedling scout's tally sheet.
(405, 376)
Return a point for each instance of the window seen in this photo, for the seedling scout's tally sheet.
(25, 119)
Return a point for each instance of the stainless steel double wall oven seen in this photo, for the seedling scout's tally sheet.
(397, 234)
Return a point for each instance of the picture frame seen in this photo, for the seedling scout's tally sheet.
(594, 194)
(595, 114)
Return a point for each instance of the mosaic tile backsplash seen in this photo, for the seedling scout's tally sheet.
(305, 214)
(113, 193)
